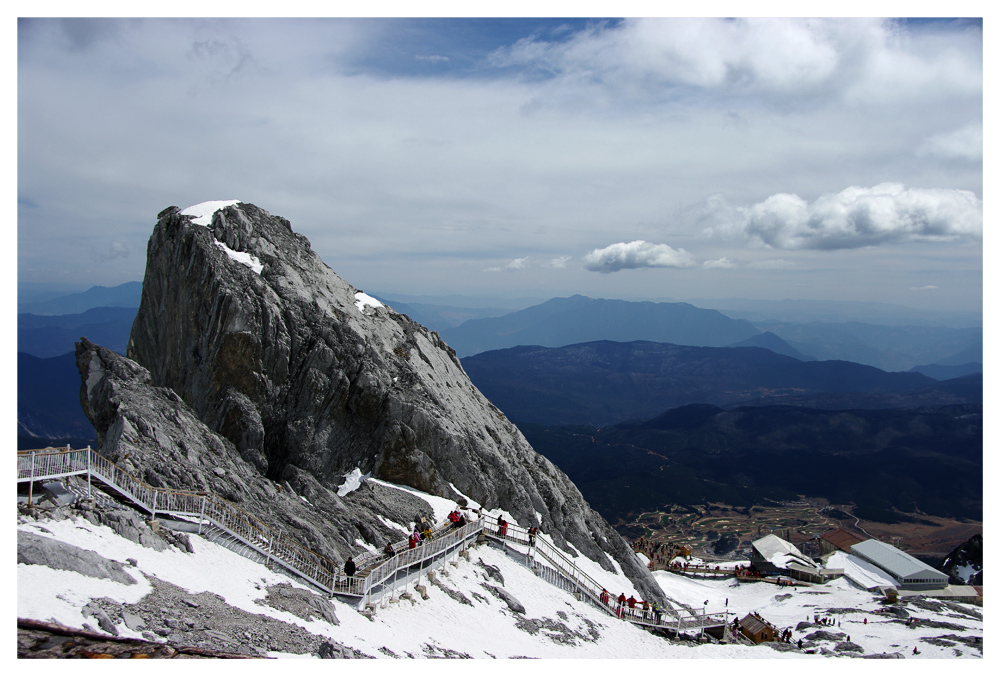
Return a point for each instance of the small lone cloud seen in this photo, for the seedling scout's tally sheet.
(772, 264)
(929, 287)
(559, 263)
(636, 254)
(723, 262)
(116, 250)
(965, 144)
(516, 264)
(434, 58)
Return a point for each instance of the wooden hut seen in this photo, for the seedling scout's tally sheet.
(757, 629)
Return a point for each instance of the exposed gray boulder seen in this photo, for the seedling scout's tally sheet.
(305, 383)
(43, 551)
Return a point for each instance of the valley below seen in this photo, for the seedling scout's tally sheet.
(716, 530)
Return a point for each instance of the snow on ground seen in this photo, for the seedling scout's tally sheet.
(554, 625)
(352, 482)
(363, 300)
(204, 211)
(242, 258)
(849, 606)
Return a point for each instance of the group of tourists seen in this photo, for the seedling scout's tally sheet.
(456, 518)
(631, 608)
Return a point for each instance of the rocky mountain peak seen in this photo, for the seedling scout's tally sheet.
(307, 376)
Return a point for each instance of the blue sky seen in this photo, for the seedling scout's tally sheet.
(626, 158)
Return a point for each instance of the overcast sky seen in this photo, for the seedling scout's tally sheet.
(642, 158)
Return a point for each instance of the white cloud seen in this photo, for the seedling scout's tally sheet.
(724, 262)
(772, 264)
(965, 143)
(636, 254)
(858, 59)
(115, 250)
(559, 263)
(434, 58)
(516, 264)
(859, 217)
(929, 287)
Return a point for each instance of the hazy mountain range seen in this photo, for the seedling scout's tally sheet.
(604, 382)
(49, 328)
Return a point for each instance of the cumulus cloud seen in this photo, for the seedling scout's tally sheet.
(433, 58)
(856, 58)
(724, 262)
(636, 254)
(858, 217)
(559, 263)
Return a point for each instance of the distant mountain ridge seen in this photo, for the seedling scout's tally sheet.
(578, 319)
(123, 295)
(48, 400)
(52, 335)
(606, 382)
(774, 343)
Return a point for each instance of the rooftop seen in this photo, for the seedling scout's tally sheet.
(899, 563)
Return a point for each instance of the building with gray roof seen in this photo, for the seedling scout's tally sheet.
(908, 572)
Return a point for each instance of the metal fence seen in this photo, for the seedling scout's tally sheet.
(272, 545)
(560, 566)
(375, 569)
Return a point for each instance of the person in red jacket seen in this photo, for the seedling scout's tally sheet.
(605, 597)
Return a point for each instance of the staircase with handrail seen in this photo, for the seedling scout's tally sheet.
(376, 575)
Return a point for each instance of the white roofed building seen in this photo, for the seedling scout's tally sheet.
(770, 554)
(908, 572)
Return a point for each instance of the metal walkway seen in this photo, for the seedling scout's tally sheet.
(377, 575)
(552, 565)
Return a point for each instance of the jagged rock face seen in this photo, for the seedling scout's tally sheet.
(966, 558)
(152, 434)
(284, 365)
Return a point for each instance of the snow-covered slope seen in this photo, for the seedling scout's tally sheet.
(488, 606)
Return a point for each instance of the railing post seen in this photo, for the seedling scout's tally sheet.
(89, 493)
(201, 516)
(153, 509)
(31, 484)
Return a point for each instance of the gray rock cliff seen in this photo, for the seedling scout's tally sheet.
(298, 380)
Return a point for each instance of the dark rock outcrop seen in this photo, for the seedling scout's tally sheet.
(285, 371)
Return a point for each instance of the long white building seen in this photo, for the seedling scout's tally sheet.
(908, 572)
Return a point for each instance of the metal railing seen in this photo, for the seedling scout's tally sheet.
(206, 508)
(678, 620)
(374, 570)
(272, 545)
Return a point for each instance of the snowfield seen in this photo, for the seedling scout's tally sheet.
(464, 617)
